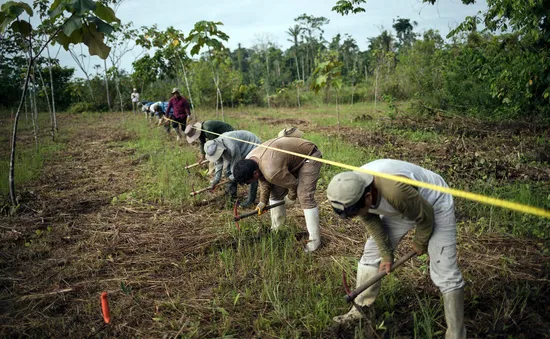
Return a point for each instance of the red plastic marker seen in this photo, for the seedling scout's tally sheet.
(105, 308)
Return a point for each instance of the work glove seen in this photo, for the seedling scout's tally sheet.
(289, 202)
(260, 208)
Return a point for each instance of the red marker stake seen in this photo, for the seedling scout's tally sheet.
(105, 308)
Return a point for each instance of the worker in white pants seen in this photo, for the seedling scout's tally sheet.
(391, 209)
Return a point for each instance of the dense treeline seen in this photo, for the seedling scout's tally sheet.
(473, 72)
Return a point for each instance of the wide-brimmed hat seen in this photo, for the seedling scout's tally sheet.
(192, 132)
(174, 90)
(346, 188)
(291, 132)
(214, 150)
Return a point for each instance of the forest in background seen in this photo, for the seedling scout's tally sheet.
(499, 72)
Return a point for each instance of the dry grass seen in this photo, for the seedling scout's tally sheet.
(162, 264)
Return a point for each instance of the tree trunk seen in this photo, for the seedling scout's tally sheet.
(366, 74)
(117, 85)
(297, 66)
(54, 114)
(11, 176)
(107, 84)
(117, 82)
(298, 90)
(33, 112)
(337, 110)
(352, 93)
(376, 87)
(267, 79)
(303, 70)
(187, 84)
(217, 81)
(45, 90)
(26, 112)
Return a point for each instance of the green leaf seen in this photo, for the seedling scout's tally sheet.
(63, 40)
(195, 50)
(75, 22)
(55, 12)
(102, 26)
(15, 9)
(4, 23)
(94, 40)
(76, 37)
(22, 27)
(321, 80)
(105, 13)
(80, 7)
(27, 8)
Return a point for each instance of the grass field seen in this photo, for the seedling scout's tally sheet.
(107, 208)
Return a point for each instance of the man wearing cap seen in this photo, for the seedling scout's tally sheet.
(180, 111)
(200, 131)
(291, 132)
(390, 209)
(226, 151)
(135, 100)
(283, 176)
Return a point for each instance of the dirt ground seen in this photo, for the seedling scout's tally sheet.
(69, 241)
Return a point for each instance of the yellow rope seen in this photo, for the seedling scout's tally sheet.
(514, 206)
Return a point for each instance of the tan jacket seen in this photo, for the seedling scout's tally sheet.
(277, 167)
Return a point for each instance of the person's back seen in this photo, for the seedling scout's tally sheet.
(411, 171)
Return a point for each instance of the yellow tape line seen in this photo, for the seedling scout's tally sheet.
(514, 206)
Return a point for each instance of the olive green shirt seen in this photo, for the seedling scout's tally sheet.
(404, 200)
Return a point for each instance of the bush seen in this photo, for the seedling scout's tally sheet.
(81, 107)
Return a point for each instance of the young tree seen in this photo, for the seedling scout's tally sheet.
(170, 51)
(206, 34)
(328, 75)
(122, 40)
(294, 33)
(84, 21)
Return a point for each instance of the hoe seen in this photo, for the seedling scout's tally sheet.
(238, 217)
(351, 295)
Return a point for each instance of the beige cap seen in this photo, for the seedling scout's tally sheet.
(214, 150)
(346, 188)
(192, 132)
(291, 132)
(174, 90)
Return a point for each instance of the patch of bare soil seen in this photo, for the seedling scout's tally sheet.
(288, 122)
(70, 242)
(465, 149)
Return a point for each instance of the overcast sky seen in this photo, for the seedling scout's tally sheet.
(245, 20)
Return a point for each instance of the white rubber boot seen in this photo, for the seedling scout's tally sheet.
(454, 314)
(278, 215)
(364, 273)
(312, 224)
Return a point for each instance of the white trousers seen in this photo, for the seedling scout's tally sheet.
(444, 270)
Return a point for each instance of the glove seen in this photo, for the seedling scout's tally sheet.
(260, 208)
(289, 202)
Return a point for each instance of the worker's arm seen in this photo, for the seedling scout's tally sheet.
(375, 228)
(407, 200)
